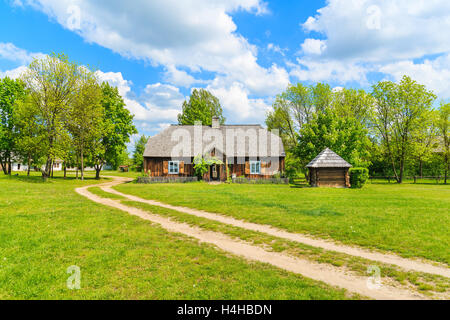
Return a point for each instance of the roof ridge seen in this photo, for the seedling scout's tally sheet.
(328, 158)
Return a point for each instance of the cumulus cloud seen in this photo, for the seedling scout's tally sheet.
(198, 35)
(158, 103)
(16, 56)
(308, 69)
(435, 74)
(382, 30)
(236, 102)
(184, 37)
(276, 48)
(13, 73)
(10, 52)
(179, 77)
(313, 46)
(386, 36)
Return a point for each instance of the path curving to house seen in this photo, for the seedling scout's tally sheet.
(316, 271)
(392, 259)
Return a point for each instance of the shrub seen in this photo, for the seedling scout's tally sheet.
(200, 167)
(229, 179)
(202, 164)
(358, 177)
(145, 174)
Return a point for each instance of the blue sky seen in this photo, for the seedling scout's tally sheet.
(244, 51)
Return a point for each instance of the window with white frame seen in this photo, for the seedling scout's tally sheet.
(174, 167)
(255, 167)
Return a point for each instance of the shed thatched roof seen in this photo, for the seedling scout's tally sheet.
(162, 144)
(328, 159)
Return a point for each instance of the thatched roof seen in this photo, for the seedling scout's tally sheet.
(162, 144)
(328, 159)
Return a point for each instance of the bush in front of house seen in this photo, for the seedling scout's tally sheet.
(152, 180)
(244, 180)
(202, 164)
(358, 177)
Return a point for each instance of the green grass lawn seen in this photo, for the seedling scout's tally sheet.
(47, 227)
(410, 219)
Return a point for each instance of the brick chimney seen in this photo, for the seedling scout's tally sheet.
(215, 122)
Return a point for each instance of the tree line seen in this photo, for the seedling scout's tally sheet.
(59, 109)
(394, 130)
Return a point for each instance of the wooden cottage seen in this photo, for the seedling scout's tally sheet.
(329, 170)
(246, 150)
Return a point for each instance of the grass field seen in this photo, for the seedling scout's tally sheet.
(410, 219)
(47, 227)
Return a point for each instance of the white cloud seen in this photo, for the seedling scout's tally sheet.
(10, 52)
(277, 49)
(13, 73)
(164, 102)
(197, 34)
(382, 30)
(435, 74)
(158, 103)
(387, 36)
(308, 69)
(179, 77)
(235, 102)
(16, 56)
(182, 36)
(313, 46)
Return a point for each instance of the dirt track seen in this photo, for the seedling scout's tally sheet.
(322, 272)
(406, 264)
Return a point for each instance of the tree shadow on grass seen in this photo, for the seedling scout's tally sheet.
(299, 186)
(423, 183)
(38, 179)
(323, 211)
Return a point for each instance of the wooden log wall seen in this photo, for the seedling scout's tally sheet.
(158, 167)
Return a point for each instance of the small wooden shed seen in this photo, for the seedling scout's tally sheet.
(329, 170)
(123, 168)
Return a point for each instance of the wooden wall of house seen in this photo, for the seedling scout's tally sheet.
(329, 177)
(158, 167)
(243, 169)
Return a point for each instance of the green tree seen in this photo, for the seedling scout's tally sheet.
(201, 167)
(400, 111)
(301, 101)
(51, 82)
(117, 128)
(293, 167)
(123, 159)
(30, 133)
(203, 163)
(443, 124)
(70, 157)
(296, 107)
(138, 154)
(280, 119)
(11, 91)
(322, 96)
(424, 141)
(354, 103)
(202, 106)
(345, 136)
(85, 115)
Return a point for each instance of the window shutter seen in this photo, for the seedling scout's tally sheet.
(247, 167)
(263, 167)
(181, 167)
(165, 167)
